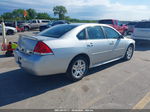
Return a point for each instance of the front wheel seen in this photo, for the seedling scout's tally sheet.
(78, 68)
(129, 52)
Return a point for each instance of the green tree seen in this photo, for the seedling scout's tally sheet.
(7, 15)
(18, 14)
(31, 13)
(43, 16)
(60, 11)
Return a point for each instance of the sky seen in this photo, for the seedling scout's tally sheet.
(86, 9)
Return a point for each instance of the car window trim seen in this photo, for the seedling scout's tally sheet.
(106, 33)
(85, 34)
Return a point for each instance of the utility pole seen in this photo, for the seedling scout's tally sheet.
(4, 44)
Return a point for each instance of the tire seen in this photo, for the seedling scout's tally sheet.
(129, 53)
(78, 68)
(10, 32)
(9, 53)
(26, 28)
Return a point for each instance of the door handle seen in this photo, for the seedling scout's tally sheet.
(90, 45)
(111, 43)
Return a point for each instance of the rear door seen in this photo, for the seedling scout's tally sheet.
(116, 44)
(97, 45)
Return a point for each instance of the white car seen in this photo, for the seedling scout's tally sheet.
(9, 30)
(142, 31)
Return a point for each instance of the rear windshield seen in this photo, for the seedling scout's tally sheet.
(105, 21)
(57, 31)
(143, 25)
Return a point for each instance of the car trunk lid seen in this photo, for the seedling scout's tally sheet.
(26, 44)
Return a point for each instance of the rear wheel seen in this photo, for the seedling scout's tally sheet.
(26, 28)
(9, 53)
(10, 32)
(129, 52)
(78, 68)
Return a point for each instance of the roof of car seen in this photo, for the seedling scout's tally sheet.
(80, 24)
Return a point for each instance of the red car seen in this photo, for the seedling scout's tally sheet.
(123, 29)
(20, 28)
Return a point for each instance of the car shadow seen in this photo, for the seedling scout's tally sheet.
(142, 46)
(18, 85)
(4, 56)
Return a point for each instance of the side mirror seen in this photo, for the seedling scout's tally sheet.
(121, 37)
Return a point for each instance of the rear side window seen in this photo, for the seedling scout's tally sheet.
(57, 31)
(105, 21)
(82, 35)
(111, 33)
(143, 25)
(95, 32)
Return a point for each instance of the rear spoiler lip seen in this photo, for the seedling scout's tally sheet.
(30, 37)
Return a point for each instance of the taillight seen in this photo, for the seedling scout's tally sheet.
(42, 48)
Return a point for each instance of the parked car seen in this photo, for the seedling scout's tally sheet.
(16, 24)
(142, 31)
(50, 24)
(72, 49)
(9, 30)
(34, 24)
(123, 29)
(131, 26)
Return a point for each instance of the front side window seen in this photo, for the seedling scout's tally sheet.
(33, 21)
(111, 33)
(95, 32)
(119, 23)
(82, 35)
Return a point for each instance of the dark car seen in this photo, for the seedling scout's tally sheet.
(50, 24)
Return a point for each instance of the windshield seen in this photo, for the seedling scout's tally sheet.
(57, 31)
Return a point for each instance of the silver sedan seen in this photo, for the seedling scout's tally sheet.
(72, 49)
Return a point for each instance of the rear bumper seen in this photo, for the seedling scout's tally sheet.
(40, 65)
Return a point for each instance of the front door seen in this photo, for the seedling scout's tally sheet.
(97, 45)
(116, 44)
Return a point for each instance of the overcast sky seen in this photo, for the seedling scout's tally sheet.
(86, 9)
